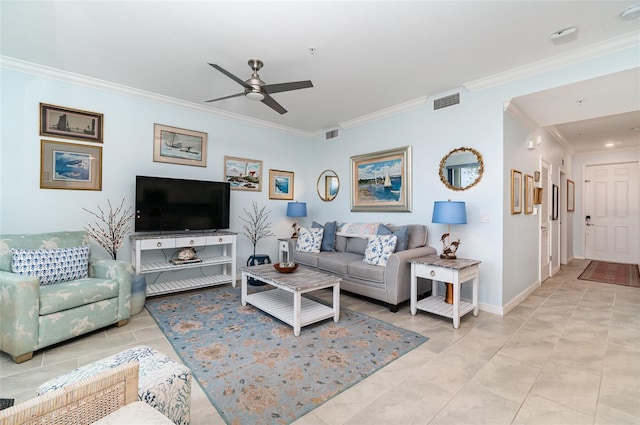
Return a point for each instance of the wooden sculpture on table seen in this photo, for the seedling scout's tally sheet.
(449, 249)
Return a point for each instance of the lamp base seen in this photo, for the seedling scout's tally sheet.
(449, 295)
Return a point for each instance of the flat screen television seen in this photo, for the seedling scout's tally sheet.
(169, 205)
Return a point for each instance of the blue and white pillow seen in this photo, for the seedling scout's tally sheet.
(51, 265)
(309, 239)
(379, 249)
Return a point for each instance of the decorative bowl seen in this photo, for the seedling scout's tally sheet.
(285, 267)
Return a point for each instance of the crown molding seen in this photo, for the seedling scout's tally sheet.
(513, 109)
(553, 131)
(599, 49)
(385, 113)
(82, 80)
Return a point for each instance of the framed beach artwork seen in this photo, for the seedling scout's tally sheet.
(67, 123)
(528, 194)
(281, 185)
(70, 166)
(174, 145)
(381, 181)
(243, 174)
(516, 192)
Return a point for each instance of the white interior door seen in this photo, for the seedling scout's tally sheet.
(611, 212)
(545, 213)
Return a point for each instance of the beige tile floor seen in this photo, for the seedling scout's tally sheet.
(568, 354)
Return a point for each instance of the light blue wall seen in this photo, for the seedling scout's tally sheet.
(478, 122)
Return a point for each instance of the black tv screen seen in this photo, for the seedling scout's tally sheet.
(166, 204)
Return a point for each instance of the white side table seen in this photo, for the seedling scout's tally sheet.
(283, 250)
(456, 272)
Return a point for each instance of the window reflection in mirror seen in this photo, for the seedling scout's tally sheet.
(328, 185)
(461, 168)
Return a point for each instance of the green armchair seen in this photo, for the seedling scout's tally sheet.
(34, 315)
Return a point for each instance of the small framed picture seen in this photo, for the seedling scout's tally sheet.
(571, 195)
(554, 202)
(528, 194)
(67, 123)
(174, 145)
(281, 185)
(243, 174)
(537, 195)
(70, 166)
(536, 176)
(516, 192)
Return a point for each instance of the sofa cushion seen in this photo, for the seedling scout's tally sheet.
(341, 243)
(328, 236)
(67, 295)
(336, 262)
(306, 258)
(51, 265)
(416, 235)
(309, 239)
(366, 272)
(356, 245)
(379, 249)
(399, 231)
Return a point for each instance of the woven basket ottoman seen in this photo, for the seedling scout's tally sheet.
(163, 383)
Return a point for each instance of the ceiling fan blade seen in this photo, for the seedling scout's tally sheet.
(230, 75)
(226, 97)
(271, 103)
(296, 85)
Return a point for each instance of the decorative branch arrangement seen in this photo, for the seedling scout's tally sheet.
(257, 227)
(117, 227)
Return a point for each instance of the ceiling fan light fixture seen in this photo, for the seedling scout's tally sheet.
(254, 95)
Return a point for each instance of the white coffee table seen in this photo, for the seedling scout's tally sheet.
(286, 301)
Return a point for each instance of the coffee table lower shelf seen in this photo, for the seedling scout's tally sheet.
(280, 304)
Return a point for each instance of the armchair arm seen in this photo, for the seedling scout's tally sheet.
(398, 273)
(119, 271)
(19, 312)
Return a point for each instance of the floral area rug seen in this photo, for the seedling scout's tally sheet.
(615, 273)
(252, 367)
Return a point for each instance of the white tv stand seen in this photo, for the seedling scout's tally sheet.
(223, 243)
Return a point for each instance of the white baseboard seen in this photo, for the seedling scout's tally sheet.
(520, 297)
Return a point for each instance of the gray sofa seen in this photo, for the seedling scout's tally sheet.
(390, 284)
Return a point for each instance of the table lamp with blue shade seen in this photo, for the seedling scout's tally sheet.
(449, 212)
(296, 209)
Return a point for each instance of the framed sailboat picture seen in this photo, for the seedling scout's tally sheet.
(67, 123)
(243, 174)
(174, 145)
(381, 181)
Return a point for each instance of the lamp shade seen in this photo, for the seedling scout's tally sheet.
(449, 212)
(297, 209)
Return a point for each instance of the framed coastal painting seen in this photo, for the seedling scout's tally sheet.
(70, 166)
(381, 181)
(243, 173)
(516, 192)
(67, 123)
(528, 194)
(174, 145)
(281, 185)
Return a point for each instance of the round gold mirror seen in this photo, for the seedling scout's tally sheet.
(328, 185)
(461, 168)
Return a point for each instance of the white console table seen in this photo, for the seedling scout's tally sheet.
(223, 245)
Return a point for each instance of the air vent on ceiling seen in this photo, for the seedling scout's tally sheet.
(446, 101)
(331, 134)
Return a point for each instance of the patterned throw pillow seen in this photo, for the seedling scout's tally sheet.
(51, 265)
(309, 239)
(379, 249)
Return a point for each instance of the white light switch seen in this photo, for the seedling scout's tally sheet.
(485, 218)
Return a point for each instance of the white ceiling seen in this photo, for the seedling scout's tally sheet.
(369, 55)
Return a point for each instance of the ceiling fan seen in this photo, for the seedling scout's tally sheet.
(256, 89)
